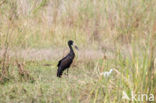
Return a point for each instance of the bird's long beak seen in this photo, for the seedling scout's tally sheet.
(76, 47)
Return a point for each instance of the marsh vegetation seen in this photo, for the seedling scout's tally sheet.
(117, 35)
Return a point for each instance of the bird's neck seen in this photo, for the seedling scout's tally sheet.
(71, 49)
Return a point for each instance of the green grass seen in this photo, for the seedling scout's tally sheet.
(84, 83)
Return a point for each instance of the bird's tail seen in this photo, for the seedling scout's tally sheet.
(59, 72)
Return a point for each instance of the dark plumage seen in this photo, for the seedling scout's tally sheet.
(65, 63)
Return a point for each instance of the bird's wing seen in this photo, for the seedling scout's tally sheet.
(65, 62)
(59, 63)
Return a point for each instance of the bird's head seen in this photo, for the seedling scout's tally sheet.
(70, 43)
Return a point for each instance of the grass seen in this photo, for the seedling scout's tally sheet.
(124, 32)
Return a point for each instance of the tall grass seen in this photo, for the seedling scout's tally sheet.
(45, 23)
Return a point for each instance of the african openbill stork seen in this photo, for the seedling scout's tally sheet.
(65, 63)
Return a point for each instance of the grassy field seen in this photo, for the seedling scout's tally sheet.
(117, 35)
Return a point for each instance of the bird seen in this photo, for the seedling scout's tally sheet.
(65, 62)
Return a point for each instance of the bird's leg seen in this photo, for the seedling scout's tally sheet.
(60, 82)
(67, 71)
